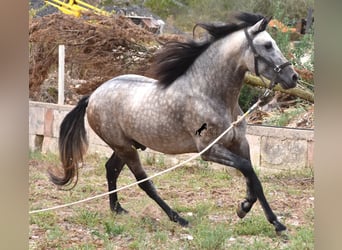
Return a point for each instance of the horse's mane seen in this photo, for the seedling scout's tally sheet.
(176, 57)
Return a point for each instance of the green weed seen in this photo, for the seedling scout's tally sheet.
(46, 157)
(44, 220)
(303, 239)
(208, 236)
(86, 217)
(112, 229)
(256, 225)
(282, 119)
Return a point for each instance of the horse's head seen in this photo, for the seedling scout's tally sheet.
(265, 58)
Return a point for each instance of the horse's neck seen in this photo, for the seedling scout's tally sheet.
(219, 71)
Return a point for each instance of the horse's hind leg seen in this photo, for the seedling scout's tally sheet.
(132, 160)
(113, 168)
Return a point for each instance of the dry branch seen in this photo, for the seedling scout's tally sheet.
(256, 82)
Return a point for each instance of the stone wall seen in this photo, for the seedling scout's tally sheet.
(272, 148)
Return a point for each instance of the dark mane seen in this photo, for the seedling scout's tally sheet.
(176, 57)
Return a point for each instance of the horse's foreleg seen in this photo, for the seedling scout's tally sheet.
(242, 149)
(113, 169)
(133, 162)
(219, 154)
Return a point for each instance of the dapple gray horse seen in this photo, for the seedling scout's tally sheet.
(196, 83)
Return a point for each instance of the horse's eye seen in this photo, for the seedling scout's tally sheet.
(268, 46)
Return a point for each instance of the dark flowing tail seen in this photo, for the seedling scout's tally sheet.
(72, 144)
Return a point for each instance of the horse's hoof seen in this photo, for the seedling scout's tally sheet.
(183, 222)
(121, 211)
(118, 209)
(180, 220)
(279, 228)
(240, 212)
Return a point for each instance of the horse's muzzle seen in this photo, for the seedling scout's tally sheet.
(290, 81)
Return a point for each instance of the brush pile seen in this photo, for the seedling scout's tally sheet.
(97, 48)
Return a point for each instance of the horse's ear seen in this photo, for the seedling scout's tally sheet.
(261, 25)
(264, 23)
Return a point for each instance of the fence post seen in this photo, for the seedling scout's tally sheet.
(61, 56)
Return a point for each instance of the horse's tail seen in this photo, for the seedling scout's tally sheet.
(72, 144)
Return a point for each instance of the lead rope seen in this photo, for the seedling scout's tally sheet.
(240, 118)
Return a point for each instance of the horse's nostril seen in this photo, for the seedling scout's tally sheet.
(295, 77)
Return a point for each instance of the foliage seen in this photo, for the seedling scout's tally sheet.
(283, 118)
(248, 96)
(163, 8)
(192, 11)
(302, 49)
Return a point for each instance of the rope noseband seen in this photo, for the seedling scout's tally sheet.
(276, 68)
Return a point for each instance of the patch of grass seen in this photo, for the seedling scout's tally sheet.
(202, 209)
(209, 236)
(310, 214)
(98, 162)
(153, 159)
(302, 173)
(252, 244)
(54, 234)
(160, 237)
(303, 239)
(86, 217)
(113, 229)
(160, 160)
(282, 119)
(87, 246)
(202, 163)
(46, 157)
(256, 225)
(147, 158)
(44, 220)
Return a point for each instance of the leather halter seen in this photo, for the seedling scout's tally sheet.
(276, 68)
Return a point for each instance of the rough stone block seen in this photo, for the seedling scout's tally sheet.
(36, 120)
(254, 148)
(283, 154)
(311, 145)
(50, 145)
(48, 125)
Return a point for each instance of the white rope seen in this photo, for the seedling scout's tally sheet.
(240, 118)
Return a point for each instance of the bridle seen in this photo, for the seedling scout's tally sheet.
(276, 68)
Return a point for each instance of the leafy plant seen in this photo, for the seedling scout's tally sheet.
(248, 96)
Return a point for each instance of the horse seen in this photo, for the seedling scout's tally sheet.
(194, 82)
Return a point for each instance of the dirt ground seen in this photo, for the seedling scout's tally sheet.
(290, 195)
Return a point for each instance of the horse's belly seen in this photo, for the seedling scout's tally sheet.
(169, 144)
